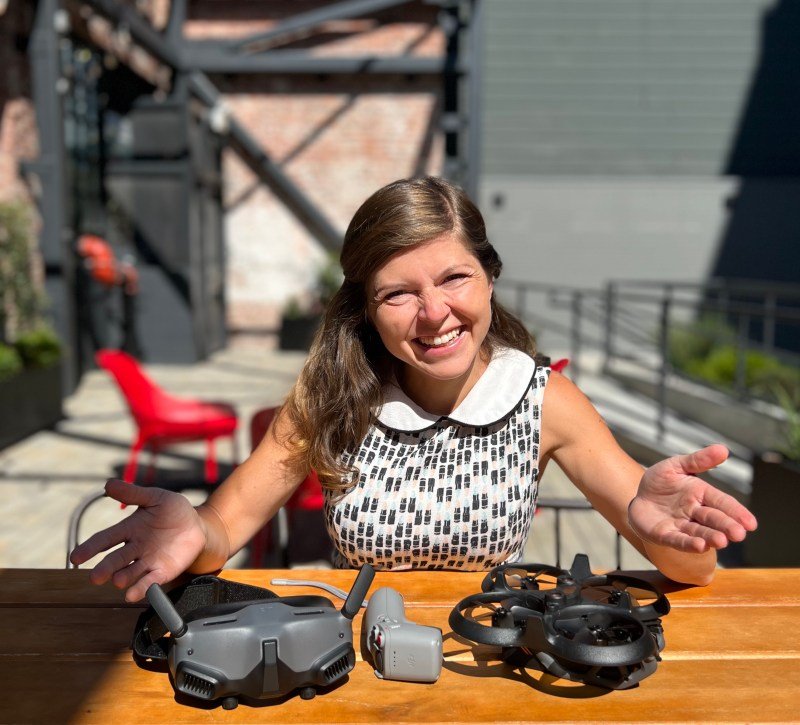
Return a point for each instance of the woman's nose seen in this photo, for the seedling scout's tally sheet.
(433, 306)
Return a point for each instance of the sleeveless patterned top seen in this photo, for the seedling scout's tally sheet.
(446, 492)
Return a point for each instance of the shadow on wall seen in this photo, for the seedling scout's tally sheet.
(760, 241)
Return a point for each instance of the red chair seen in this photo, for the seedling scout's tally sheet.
(164, 419)
(307, 497)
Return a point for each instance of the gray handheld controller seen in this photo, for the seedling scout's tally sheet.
(400, 650)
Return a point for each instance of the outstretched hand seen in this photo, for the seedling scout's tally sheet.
(673, 507)
(160, 540)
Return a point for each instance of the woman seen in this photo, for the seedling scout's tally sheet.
(429, 423)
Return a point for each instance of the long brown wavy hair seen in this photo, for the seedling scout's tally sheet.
(331, 405)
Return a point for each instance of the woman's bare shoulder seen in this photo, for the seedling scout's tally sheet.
(567, 414)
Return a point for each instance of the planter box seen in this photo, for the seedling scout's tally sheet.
(29, 402)
(775, 502)
(297, 333)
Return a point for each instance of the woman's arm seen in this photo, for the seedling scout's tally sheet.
(249, 497)
(676, 519)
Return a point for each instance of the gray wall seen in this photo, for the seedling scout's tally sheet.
(642, 139)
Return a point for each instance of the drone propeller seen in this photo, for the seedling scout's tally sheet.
(514, 577)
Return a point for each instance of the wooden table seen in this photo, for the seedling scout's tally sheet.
(732, 655)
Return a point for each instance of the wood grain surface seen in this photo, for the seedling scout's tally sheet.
(732, 655)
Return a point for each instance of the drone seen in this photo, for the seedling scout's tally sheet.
(598, 629)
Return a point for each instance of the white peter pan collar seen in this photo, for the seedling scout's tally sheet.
(498, 391)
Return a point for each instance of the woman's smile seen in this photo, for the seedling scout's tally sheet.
(445, 340)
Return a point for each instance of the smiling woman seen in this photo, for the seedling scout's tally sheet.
(429, 419)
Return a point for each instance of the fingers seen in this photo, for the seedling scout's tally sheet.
(138, 590)
(684, 542)
(113, 562)
(728, 505)
(711, 537)
(130, 574)
(704, 459)
(716, 520)
(101, 541)
(129, 493)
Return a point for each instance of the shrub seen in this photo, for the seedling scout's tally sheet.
(10, 362)
(693, 343)
(706, 350)
(38, 348)
(22, 301)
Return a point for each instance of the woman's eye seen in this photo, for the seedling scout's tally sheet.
(450, 279)
(395, 296)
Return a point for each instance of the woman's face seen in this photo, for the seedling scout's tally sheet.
(431, 308)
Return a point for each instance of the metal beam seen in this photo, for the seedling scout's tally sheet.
(474, 80)
(56, 236)
(141, 31)
(212, 57)
(177, 18)
(268, 171)
(313, 18)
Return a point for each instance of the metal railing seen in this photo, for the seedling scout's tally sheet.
(559, 506)
(633, 320)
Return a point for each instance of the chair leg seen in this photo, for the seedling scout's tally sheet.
(211, 470)
(131, 468)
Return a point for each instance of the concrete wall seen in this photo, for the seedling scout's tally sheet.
(643, 139)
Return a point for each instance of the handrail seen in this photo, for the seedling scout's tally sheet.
(558, 505)
(632, 320)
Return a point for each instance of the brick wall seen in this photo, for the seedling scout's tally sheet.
(18, 136)
(337, 138)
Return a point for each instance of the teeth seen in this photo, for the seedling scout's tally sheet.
(440, 340)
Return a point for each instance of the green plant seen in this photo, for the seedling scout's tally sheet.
(10, 362)
(39, 348)
(706, 349)
(328, 280)
(790, 402)
(22, 301)
(695, 341)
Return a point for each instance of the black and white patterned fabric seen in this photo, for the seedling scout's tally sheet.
(446, 492)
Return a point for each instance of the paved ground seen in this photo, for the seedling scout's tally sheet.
(44, 477)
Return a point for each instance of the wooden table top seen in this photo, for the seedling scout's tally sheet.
(732, 655)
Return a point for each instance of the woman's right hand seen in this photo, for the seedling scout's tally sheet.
(160, 540)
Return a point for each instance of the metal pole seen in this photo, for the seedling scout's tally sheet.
(474, 83)
(768, 336)
(661, 423)
(575, 342)
(609, 337)
(740, 383)
(558, 537)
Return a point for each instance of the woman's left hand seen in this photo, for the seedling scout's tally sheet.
(675, 508)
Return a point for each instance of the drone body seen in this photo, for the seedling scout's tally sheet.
(568, 623)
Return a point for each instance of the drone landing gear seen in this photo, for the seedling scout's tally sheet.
(308, 693)
(230, 703)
